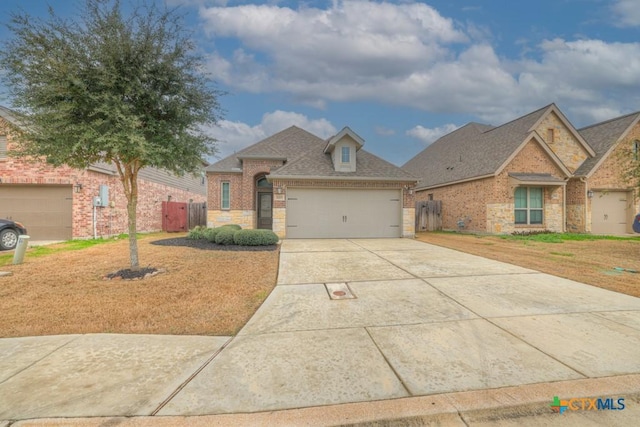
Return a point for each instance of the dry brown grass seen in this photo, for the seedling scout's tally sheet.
(591, 262)
(202, 293)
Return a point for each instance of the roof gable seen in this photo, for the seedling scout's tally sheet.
(604, 137)
(288, 144)
(478, 151)
(345, 132)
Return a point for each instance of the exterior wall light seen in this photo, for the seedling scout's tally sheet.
(78, 187)
(590, 194)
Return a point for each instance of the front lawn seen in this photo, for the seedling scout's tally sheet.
(608, 262)
(60, 289)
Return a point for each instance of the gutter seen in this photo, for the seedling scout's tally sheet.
(271, 177)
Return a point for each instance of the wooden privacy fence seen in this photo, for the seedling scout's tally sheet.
(177, 216)
(429, 215)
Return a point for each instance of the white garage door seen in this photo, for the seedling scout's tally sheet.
(46, 211)
(610, 212)
(342, 213)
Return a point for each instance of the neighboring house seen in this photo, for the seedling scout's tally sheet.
(302, 186)
(534, 173)
(57, 203)
(598, 200)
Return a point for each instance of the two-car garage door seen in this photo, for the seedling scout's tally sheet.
(343, 213)
(46, 210)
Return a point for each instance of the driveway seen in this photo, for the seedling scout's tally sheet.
(350, 321)
(424, 320)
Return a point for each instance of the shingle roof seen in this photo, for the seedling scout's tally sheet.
(305, 157)
(602, 137)
(473, 151)
(290, 143)
(368, 166)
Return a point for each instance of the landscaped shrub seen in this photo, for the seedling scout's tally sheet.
(224, 235)
(196, 232)
(210, 234)
(234, 227)
(255, 238)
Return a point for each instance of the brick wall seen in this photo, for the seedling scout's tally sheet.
(565, 145)
(465, 202)
(576, 196)
(110, 220)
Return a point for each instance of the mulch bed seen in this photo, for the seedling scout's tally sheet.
(206, 245)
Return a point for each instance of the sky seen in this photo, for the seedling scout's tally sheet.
(403, 73)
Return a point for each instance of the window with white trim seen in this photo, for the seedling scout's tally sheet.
(225, 200)
(529, 205)
(3, 146)
(346, 155)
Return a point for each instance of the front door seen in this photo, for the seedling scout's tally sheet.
(265, 219)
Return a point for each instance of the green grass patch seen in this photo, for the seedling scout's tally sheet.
(562, 237)
(69, 245)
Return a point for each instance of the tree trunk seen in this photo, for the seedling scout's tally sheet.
(129, 177)
(132, 204)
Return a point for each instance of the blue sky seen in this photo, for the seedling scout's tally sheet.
(401, 74)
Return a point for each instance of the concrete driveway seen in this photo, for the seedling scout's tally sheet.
(424, 320)
(351, 321)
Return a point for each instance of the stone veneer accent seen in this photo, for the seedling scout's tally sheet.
(280, 222)
(564, 144)
(409, 222)
(501, 219)
(243, 218)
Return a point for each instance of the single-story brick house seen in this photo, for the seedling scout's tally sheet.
(57, 203)
(537, 172)
(302, 186)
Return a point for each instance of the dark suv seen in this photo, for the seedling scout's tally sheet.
(9, 232)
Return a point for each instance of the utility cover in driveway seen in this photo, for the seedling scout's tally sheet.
(343, 213)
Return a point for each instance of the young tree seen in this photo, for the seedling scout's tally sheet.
(105, 87)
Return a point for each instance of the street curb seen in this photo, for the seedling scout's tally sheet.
(444, 409)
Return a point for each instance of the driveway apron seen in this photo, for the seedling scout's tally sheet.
(371, 319)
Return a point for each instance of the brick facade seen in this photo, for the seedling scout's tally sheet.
(487, 205)
(111, 220)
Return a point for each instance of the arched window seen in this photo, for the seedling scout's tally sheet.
(263, 183)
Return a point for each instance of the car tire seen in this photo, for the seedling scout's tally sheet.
(8, 239)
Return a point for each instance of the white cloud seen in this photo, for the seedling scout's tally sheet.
(234, 136)
(408, 54)
(428, 135)
(627, 12)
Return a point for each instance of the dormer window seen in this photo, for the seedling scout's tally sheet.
(346, 155)
(343, 149)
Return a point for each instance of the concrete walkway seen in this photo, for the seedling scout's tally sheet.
(428, 328)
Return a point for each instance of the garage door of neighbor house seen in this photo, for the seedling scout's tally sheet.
(610, 212)
(342, 213)
(46, 211)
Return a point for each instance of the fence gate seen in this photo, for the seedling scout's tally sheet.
(196, 214)
(182, 217)
(429, 215)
